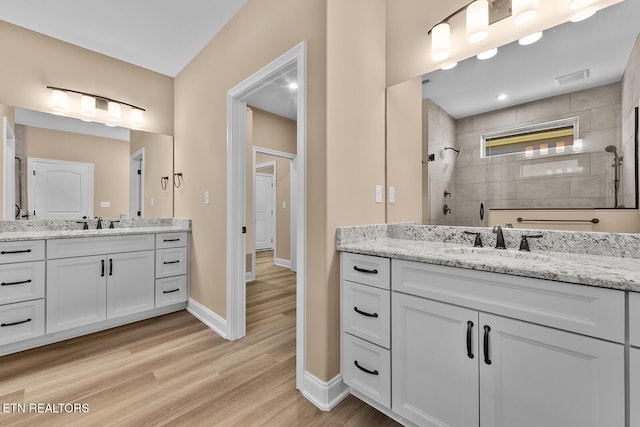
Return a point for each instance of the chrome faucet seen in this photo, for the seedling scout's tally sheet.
(500, 237)
(99, 224)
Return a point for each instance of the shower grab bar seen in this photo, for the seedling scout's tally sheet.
(593, 221)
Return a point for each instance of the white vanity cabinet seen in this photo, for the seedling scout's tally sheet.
(474, 348)
(171, 269)
(98, 279)
(22, 285)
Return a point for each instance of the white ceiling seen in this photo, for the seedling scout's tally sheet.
(602, 44)
(160, 35)
(276, 96)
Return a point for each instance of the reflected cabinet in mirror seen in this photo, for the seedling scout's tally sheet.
(65, 168)
(541, 135)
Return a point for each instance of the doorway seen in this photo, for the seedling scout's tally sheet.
(236, 197)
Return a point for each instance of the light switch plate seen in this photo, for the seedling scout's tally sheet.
(104, 204)
(378, 193)
(392, 194)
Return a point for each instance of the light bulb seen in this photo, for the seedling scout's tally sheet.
(59, 100)
(137, 117)
(477, 21)
(113, 110)
(524, 11)
(87, 106)
(441, 42)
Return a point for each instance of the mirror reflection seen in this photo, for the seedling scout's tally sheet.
(65, 168)
(541, 135)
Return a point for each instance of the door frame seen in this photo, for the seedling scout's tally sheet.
(236, 198)
(273, 206)
(134, 190)
(8, 169)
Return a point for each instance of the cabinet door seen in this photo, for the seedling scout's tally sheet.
(435, 368)
(634, 386)
(130, 283)
(76, 292)
(536, 376)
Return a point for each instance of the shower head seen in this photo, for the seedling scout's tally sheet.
(457, 150)
(611, 149)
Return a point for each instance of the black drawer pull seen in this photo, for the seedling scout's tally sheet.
(171, 291)
(102, 270)
(487, 329)
(110, 266)
(4, 325)
(355, 362)
(364, 313)
(171, 240)
(171, 262)
(364, 270)
(469, 329)
(15, 283)
(25, 251)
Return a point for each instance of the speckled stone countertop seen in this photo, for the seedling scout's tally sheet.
(63, 229)
(597, 259)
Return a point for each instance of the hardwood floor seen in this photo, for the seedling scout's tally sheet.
(173, 370)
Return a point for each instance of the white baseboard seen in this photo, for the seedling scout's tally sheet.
(208, 317)
(282, 262)
(251, 276)
(324, 395)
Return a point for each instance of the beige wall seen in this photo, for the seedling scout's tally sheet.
(258, 34)
(37, 61)
(404, 150)
(158, 162)
(110, 158)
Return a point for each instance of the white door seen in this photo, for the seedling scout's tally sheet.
(540, 376)
(434, 363)
(9, 171)
(60, 189)
(76, 292)
(130, 283)
(264, 211)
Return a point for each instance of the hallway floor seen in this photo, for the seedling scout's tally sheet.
(173, 370)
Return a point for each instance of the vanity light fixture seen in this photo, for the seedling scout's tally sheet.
(530, 39)
(449, 66)
(477, 21)
(487, 54)
(89, 103)
(441, 42)
(524, 11)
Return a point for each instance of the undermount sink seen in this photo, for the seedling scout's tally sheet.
(499, 253)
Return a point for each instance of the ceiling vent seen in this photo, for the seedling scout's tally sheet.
(573, 77)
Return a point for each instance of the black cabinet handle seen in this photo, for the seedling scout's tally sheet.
(15, 283)
(171, 262)
(487, 329)
(4, 325)
(110, 266)
(25, 251)
(469, 329)
(171, 291)
(102, 263)
(364, 270)
(171, 240)
(364, 313)
(355, 362)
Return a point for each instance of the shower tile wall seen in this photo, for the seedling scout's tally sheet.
(442, 177)
(514, 181)
(630, 100)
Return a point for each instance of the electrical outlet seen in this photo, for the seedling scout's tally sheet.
(392, 194)
(153, 201)
(378, 193)
(284, 204)
(206, 197)
(104, 204)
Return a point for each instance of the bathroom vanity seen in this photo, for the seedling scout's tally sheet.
(440, 333)
(61, 283)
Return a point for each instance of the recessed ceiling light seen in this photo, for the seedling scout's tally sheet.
(293, 85)
(502, 97)
(530, 39)
(449, 66)
(487, 54)
(585, 14)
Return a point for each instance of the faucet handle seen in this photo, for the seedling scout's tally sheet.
(113, 221)
(524, 243)
(477, 243)
(85, 226)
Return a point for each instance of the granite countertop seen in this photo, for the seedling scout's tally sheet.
(34, 230)
(614, 272)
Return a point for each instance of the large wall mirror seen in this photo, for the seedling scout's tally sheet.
(66, 168)
(520, 104)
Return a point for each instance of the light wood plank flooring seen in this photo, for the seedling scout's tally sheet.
(173, 370)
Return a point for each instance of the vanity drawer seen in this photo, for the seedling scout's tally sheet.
(171, 240)
(171, 262)
(367, 368)
(21, 321)
(366, 313)
(171, 290)
(365, 269)
(87, 246)
(21, 282)
(29, 250)
(587, 310)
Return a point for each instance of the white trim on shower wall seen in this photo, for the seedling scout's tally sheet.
(236, 199)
